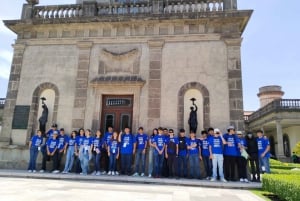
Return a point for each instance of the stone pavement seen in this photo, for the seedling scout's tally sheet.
(129, 179)
(24, 189)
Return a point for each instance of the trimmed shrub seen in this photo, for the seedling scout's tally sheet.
(284, 171)
(286, 186)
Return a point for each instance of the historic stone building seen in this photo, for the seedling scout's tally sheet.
(125, 63)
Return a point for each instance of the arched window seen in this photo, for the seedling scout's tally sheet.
(272, 146)
(286, 145)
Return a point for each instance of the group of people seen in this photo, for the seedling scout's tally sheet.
(168, 155)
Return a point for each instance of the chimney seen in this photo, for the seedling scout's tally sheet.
(268, 94)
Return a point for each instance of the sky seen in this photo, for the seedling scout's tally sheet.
(270, 46)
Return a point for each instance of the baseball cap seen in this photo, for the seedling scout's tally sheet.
(216, 130)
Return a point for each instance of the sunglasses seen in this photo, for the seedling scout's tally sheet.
(217, 133)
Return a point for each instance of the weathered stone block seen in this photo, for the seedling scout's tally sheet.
(153, 113)
(154, 103)
(235, 94)
(80, 103)
(155, 65)
(81, 93)
(77, 123)
(155, 74)
(234, 74)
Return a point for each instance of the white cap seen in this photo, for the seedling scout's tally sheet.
(216, 130)
(239, 132)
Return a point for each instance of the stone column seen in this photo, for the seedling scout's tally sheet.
(235, 83)
(230, 4)
(280, 152)
(12, 92)
(81, 84)
(154, 93)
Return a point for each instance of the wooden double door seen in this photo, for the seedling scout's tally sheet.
(116, 112)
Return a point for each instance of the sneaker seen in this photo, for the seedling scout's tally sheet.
(98, 173)
(109, 173)
(117, 173)
(224, 180)
(113, 173)
(94, 173)
(81, 173)
(149, 175)
(135, 174)
(34, 171)
(64, 172)
(246, 180)
(41, 171)
(207, 178)
(103, 172)
(241, 180)
(213, 179)
(142, 174)
(55, 171)
(29, 171)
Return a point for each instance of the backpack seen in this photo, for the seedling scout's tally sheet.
(182, 143)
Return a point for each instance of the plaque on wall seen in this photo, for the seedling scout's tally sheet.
(21, 115)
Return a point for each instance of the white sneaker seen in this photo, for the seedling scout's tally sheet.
(117, 173)
(224, 180)
(149, 175)
(29, 171)
(241, 180)
(34, 171)
(55, 171)
(41, 171)
(98, 173)
(94, 173)
(104, 172)
(113, 173)
(213, 179)
(142, 174)
(64, 172)
(135, 174)
(109, 173)
(246, 180)
(207, 178)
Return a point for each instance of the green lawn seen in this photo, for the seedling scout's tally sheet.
(261, 193)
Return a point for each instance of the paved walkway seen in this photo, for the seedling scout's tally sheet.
(16, 189)
(129, 179)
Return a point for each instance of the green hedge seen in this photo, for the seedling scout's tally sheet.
(286, 186)
(280, 165)
(283, 171)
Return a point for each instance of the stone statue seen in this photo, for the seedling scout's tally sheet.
(44, 117)
(193, 122)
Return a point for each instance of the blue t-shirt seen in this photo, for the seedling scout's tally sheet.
(114, 146)
(87, 141)
(262, 144)
(160, 142)
(231, 149)
(192, 142)
(49, 134)
(216, 145)
(182, 146)
(79, 140)
(205, 147)
(243, 143)
(62, 139)
(71, 141)
(97, 142)
(127, 141)
(107, 137)
(52, 144)
(171, 148)
(36, 141)
(140, 140)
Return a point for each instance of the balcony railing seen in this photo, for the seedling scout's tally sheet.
(280, 105)
(127, 8)
(2, 102)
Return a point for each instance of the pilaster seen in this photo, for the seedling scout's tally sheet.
(280, 152)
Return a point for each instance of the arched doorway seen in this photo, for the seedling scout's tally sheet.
(286, 145)
(272, 146)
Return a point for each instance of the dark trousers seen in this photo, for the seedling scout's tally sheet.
(112, 162)
(207, 165)
(96, 158)
(171, 164)
(242, 167)
(59, 157)
(77, 165)
(182, 166)
(254, 164)
(54, 159)
(229, 166)
(158, 164)
(33, 156)
(126, 161)
(165, 168)
(104, 160)
(45, 156)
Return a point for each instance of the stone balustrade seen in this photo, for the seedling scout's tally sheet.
(124, 8)
(175, 6)
(57, 11)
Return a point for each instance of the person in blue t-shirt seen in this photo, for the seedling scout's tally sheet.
(85, 152)
(34, 147)
(104, 155)
(70, 143)
(127, 150)
(141, 141)
(151, 151)
(216, 154)
(231, 149)
(78, 143)
(241, 160)
(182, 154)
(171, 152)
(194, 151)
(113, 153)
(52, 150)
(98, 146)
(263, 145)
(50, 132)
(205, 154)
(160, 142)
(62, 146)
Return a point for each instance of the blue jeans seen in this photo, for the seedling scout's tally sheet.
(97, 161)
(33, 156)
(69, 159)
(140, 160)
(150, 164)
(158, 163)
(126, 160)
(84, 162)
(112, 162)
(182, 166)
(218, 162)
(207, 165)
(264, 162)
(194, 166)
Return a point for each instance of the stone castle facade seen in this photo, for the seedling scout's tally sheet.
(138, 64)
